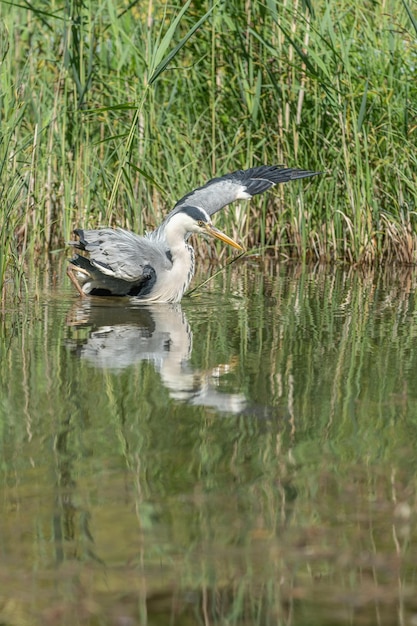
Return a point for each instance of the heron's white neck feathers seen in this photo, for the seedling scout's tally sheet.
(170, 286)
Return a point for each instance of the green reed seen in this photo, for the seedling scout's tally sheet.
(111, 112)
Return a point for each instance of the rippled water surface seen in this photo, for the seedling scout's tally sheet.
(246, 457)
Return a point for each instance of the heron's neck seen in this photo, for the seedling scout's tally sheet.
(174, 283)
(182, 264)
(182, 256)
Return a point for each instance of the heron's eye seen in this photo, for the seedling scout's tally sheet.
(201, 223)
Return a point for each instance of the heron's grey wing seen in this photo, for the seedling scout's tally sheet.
(239, 185)
(121, 254)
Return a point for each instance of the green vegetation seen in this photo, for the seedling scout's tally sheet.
(110, 111)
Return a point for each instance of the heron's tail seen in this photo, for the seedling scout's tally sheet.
(82, 262)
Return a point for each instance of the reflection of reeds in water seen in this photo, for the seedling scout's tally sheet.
(325, 331)
(135, 506)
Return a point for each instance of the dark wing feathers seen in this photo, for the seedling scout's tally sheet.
(239, 185)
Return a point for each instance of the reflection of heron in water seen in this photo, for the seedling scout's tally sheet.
(122, 335)
(159, 266)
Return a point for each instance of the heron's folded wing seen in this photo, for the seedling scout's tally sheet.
(239, 185)
(121, 254)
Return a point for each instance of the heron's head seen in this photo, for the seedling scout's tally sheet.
(191, 219)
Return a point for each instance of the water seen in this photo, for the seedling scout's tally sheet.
(248, 457)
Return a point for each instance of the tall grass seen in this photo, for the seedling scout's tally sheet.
(111, 111)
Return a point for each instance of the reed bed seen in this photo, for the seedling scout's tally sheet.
(111, 111)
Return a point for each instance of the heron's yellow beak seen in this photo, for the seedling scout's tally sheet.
(214, 232)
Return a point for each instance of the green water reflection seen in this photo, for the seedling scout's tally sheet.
(248, 457)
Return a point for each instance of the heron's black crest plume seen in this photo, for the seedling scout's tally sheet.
(194, 212)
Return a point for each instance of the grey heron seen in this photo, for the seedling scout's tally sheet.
(159, 266)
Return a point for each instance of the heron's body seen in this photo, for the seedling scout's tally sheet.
(159, 266)
(153, 276)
